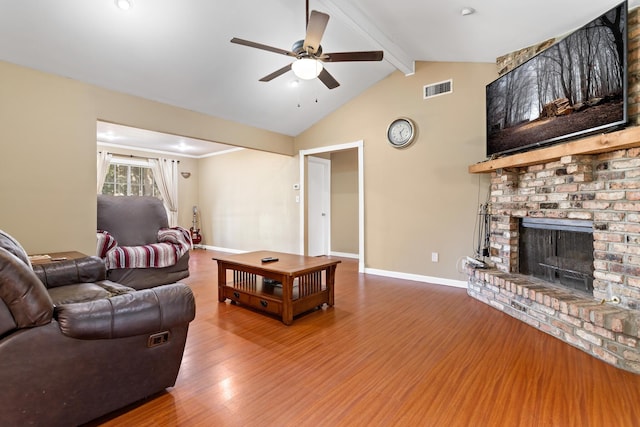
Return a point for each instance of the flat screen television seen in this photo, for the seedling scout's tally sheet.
(576, 87)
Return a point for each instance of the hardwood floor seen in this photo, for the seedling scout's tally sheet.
(389, 353)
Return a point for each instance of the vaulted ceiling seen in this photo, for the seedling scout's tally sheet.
(178, 51)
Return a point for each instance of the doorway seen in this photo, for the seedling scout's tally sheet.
(304, 223)
(318, 206)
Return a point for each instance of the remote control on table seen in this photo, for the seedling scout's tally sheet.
(269, 259)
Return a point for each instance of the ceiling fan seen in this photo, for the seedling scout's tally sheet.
(309, 55)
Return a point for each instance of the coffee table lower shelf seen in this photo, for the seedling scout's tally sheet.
(274, 305)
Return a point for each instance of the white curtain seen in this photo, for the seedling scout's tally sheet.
(104, 159)
(165, 172)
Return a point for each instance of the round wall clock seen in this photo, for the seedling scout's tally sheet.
(401, 132)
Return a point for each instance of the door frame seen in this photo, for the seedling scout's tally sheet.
(359, 145)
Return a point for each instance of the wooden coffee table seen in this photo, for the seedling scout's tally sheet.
(290, 286)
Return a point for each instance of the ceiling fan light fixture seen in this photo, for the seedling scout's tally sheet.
(307, 68)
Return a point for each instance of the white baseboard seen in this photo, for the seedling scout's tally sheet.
(344, 255)
(373, 271)
(217, 248)
(418, 278)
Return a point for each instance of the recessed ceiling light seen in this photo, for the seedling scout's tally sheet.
(124, 4)
(467, 11)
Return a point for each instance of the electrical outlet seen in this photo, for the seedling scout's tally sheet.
(434, 256)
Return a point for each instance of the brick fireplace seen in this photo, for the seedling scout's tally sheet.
(599, 186)
(604, 189)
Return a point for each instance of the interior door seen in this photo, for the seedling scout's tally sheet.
(319, 206)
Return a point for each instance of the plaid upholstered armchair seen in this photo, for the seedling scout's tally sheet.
(139, 248)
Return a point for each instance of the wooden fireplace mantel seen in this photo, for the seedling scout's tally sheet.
(601, 143)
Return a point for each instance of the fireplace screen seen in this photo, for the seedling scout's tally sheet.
(559, 251)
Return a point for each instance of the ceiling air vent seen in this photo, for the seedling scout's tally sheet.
(437, 89)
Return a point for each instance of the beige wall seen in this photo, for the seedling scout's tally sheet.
(187, 187)
(48, 131)
(420, 199)
(144, 114)
(247, 201)
(417, 200)
(344, 201)
(48, 151)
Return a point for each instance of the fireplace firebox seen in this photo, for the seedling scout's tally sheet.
(559, 251)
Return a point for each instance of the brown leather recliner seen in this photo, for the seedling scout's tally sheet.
(75, 346)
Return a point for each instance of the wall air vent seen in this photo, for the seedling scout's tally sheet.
(437, 89)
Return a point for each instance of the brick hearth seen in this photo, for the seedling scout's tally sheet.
(607, 332)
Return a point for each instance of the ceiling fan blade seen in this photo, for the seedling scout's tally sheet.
(262, 46)
(328, 79)
(276, 73)
(372, 55)
(315, 30)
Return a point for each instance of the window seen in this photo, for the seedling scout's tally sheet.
(130, 178)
